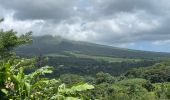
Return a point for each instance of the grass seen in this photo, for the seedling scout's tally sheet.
(56, 55)
(104, 58)
(99, 58)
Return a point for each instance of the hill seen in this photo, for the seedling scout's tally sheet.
(57, 46)
(83, 58)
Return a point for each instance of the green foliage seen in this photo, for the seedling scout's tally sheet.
(9, 40)
(71, 79)
(15, 84)
(156, 73)
(72, 92)
(133, 81)
(128, 89)
(162, 90)
(109, 87)
(104, 77)
(18, 85)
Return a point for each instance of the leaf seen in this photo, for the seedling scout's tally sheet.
(4, 91)
(44, 81)
(56, 97)
(72, 98)
(28, 87)
(78, 88)
(82, 87)
(41, 71)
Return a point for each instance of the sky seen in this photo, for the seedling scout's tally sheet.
(134, 24)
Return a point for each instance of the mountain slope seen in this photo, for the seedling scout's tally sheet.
(48, 45)
(85, 58)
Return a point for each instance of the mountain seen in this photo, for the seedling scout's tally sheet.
(83, 58)
(48, 45)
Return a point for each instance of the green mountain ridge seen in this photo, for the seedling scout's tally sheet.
(46, 45)
(83, 58)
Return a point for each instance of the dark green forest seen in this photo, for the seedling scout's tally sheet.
(53, 68)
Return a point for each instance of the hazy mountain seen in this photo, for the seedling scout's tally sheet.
(48, 45)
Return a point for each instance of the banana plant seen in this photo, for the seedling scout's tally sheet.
(71, 93)
(21, 86)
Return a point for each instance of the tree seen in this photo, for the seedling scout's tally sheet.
(9, 40)
(105, 77)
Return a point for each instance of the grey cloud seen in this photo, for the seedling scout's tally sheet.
(40, 9)
(110, 7)
(101, 21)
(88, 10)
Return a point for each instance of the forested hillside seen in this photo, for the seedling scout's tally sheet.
(58, 46)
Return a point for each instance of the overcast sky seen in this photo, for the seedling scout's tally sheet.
(135, 24)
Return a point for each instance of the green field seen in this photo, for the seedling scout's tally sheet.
(105, 58)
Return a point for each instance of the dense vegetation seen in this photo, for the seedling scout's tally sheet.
(25, 78)
(151, 83)
(83, 58)
(84, 66)
(15, 84)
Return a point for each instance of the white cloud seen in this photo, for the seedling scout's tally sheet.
(121, 27)
(22, 26)
(161, 42)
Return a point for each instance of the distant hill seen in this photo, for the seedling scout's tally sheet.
(57, 46)
(83, 58)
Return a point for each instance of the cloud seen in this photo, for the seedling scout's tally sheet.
(38, 9)
(111, 7)
(112, 22)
